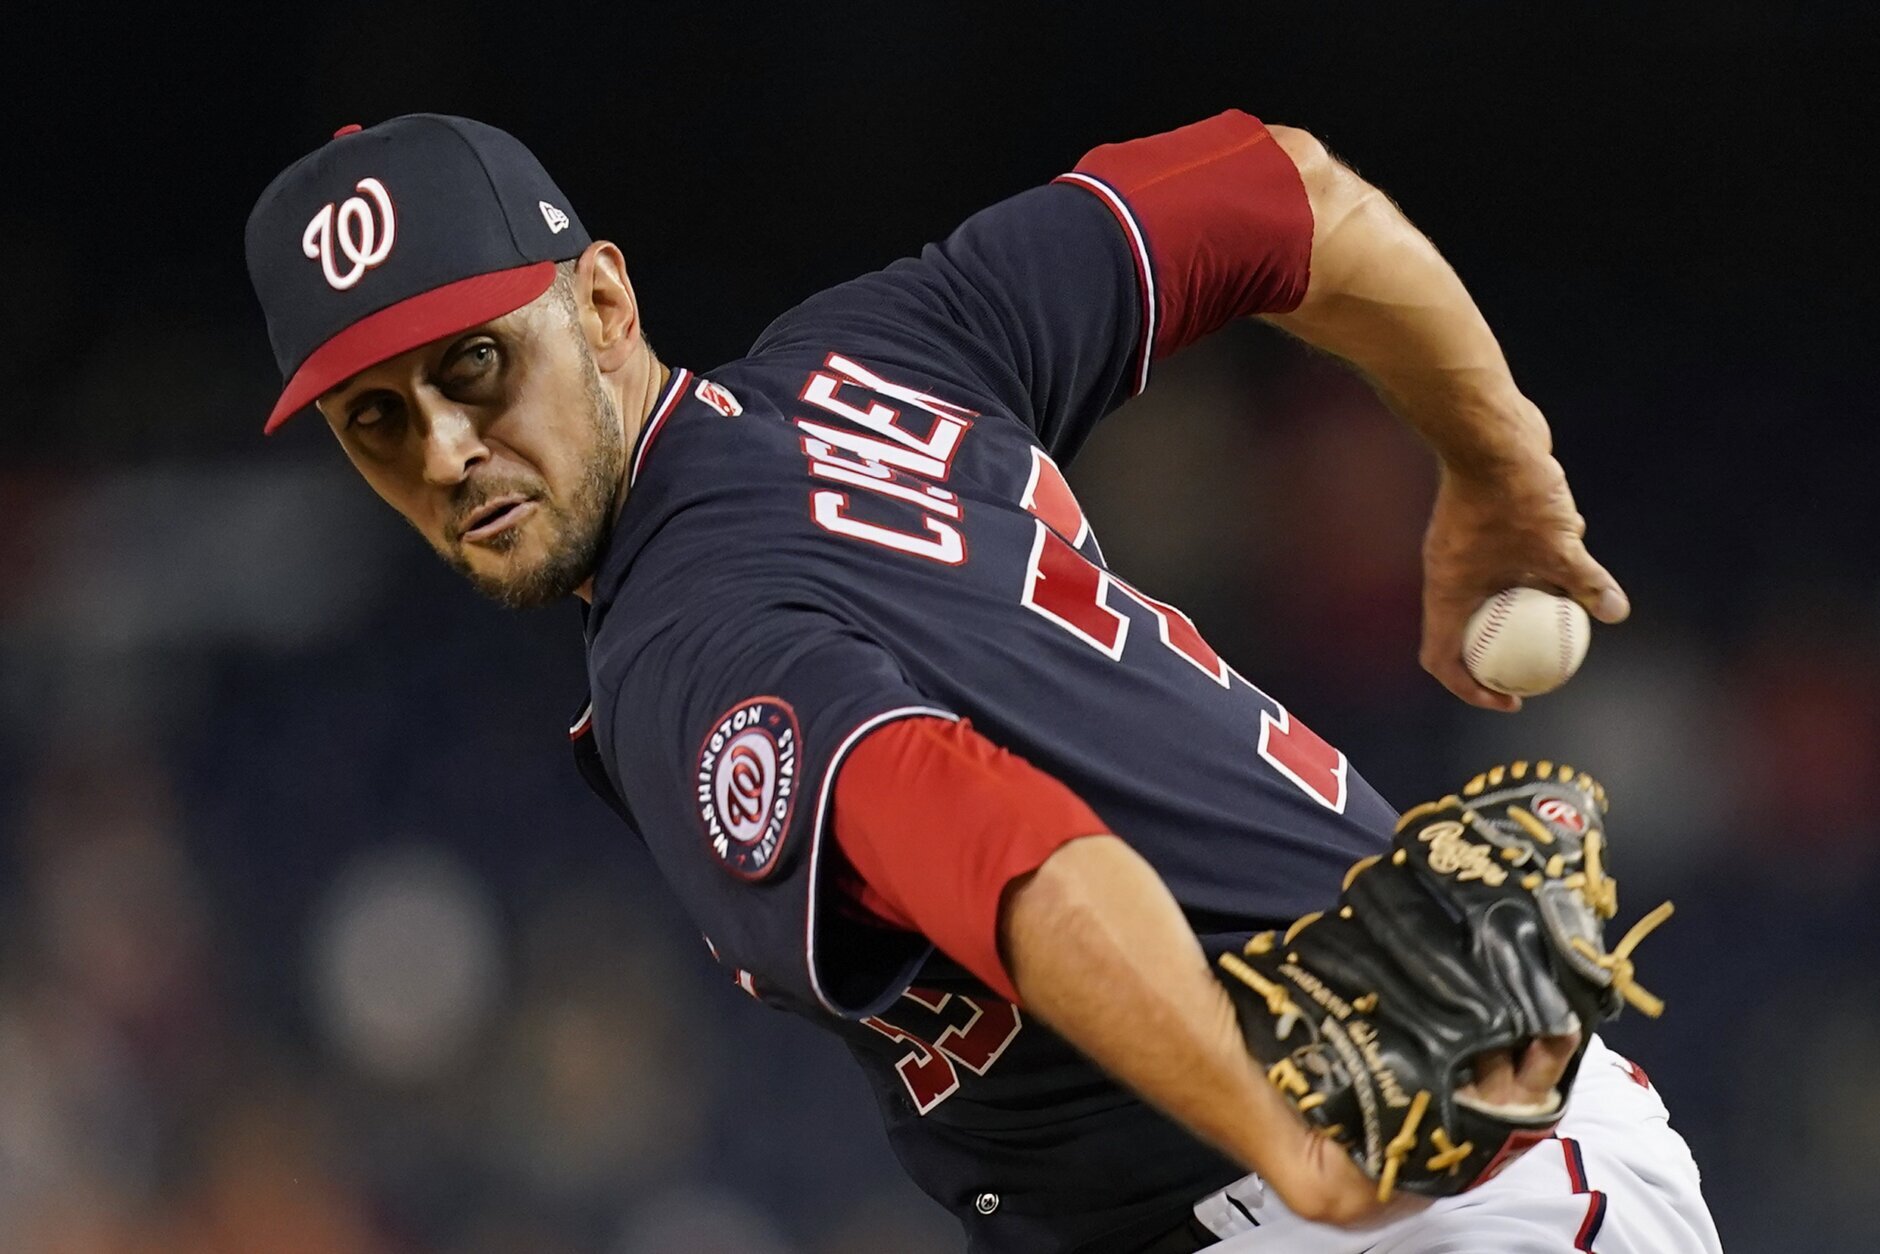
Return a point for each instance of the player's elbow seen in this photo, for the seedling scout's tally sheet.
(1309, 154)
(1068, 896)
(1332, 188)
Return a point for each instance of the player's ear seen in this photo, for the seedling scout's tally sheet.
(610, 313)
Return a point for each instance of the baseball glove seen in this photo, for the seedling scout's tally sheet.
(1480, 929)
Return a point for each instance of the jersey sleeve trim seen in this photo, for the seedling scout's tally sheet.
(675, 388)
(825, 794)
(938, 821)
(1145, 268)
(1225, 216)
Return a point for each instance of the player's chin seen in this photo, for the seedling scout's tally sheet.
(520, 571)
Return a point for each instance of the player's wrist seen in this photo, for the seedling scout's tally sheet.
(1478, 431)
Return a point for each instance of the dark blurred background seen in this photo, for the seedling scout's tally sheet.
(310, 938)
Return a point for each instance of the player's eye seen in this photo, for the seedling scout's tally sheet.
(375, 417)
(472, 361)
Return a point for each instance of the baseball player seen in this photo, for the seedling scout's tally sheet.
(920, 767)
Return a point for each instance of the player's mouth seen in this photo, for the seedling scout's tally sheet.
(495, 516)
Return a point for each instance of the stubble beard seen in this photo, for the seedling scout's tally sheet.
(575, 532)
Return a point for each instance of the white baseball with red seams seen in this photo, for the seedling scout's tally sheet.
(1524, 642)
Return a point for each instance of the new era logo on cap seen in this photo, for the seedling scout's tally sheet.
(391, 236)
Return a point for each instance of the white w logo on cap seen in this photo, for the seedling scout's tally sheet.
(359, 234)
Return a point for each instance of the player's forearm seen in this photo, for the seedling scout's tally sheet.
(1383, 298)
(1099, 950)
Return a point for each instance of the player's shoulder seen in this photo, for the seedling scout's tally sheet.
(905, 316)
(676, 627)
(940, 305)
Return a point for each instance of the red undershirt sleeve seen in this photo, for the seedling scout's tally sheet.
(934, 821)
(1222, 214)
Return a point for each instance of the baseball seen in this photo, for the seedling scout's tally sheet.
(1524, 642)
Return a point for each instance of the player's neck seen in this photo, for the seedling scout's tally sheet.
(634, 413)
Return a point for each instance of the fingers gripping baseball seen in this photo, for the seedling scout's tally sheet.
(1511, 528)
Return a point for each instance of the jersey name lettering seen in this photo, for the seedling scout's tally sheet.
(887, 459)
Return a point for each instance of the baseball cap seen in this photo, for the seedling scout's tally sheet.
(391, 236)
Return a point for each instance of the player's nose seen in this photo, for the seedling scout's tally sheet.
(452, 443)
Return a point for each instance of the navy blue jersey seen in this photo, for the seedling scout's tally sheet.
(865, 520)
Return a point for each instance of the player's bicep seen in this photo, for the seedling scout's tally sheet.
(938, 821)
(1162, 241)
(1225, 217)
(1057, 301)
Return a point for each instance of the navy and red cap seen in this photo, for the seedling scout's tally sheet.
(391, 236)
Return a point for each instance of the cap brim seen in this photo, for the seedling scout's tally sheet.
(402, 327)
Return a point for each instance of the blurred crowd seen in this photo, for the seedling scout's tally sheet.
(311, 941)
(323, 948)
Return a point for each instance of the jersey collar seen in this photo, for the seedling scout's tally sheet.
(668, 401)
(623, 540)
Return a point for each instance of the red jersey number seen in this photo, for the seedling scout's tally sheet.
(976, 1031)
(1064, 586)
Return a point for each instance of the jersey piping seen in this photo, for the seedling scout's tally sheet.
(1145, 269)
(668, 399)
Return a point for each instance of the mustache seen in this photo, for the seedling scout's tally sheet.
(475, 494)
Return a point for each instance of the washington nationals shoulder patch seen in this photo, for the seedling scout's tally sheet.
(746, 784)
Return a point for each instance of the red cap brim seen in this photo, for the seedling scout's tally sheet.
(402, 327)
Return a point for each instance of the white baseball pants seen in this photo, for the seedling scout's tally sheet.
(1616, 1180)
